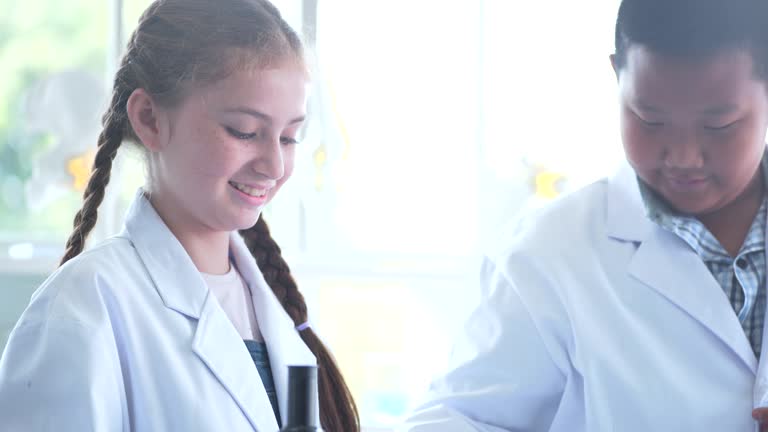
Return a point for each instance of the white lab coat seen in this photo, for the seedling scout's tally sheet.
(595, 319)
(127, 337)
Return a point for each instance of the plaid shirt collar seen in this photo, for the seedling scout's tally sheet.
(693, 232)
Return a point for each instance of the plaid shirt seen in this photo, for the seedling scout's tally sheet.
(743, 277)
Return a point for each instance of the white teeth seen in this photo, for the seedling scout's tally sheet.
(249, 190)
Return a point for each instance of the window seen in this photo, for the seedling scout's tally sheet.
(53, 57)
(441, 120)
(431, 123)
(386, 193)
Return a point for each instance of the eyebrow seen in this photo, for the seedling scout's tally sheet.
(261, 115)
(712, 111)
(647, 108)
(720, 110)
(643, 105)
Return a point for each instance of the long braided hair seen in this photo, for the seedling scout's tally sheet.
(179, 44)
(337, 411)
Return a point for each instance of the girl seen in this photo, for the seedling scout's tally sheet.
(638, 303)
(179, 323)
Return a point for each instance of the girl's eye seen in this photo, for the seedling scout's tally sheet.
(288, 140)
(240, 135)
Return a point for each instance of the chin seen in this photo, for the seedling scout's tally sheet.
(245, 223)
(237, 222)
(691, 208)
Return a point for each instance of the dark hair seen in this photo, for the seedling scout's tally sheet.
(694, 28)
(177, 45)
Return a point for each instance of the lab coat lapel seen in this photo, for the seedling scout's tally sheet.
(218, 345)
(284, 344)
(665, 263)
(182, 289)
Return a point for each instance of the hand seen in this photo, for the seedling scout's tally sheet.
(761, 415)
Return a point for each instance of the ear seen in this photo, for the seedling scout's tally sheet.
(615, 67)
(147, 120)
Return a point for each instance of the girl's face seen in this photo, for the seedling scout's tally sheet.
(228, 148)
(693, 130)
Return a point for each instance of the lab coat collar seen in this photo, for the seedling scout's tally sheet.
(177, 280)
(665, 263)
(625, 214)
(216, 342)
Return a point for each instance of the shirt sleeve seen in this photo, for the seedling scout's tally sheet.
(501, 375)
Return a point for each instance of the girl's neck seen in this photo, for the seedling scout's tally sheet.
(208, 249)
(209, 252)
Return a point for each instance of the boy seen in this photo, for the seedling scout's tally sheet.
(637, 303)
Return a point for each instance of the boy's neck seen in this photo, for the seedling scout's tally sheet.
(730, 225)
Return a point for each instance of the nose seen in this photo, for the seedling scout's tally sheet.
(269, 159)
(684, 152)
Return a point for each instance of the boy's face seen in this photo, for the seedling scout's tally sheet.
(693, 130)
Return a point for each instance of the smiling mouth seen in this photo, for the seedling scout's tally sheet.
(687, 184)
(256, 193)
(688, 180)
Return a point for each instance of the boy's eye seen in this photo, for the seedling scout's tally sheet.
(651, 124)
(288, 140)
(240, 135)
(721, 128)
(648, 123)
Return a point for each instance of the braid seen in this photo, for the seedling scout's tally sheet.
(338, 411)
(109, 142)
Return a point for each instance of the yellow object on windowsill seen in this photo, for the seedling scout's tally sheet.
(79, 168)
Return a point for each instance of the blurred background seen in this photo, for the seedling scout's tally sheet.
(432, 123)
